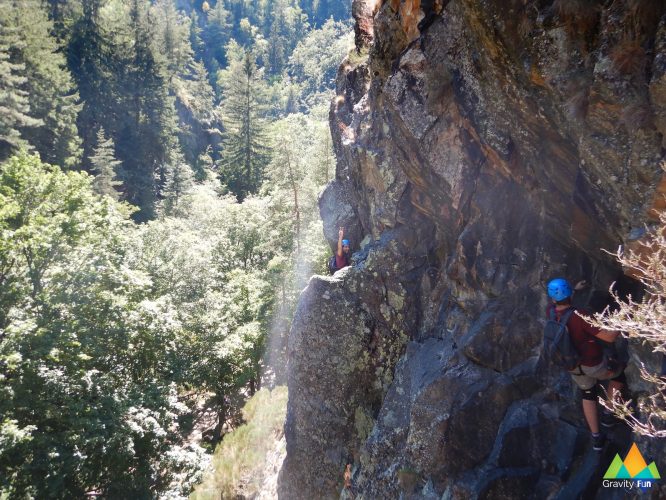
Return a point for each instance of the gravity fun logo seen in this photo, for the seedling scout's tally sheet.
(631, 473)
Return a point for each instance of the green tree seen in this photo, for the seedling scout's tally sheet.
(301, 165)
(14, 105)
(63, 13)
(315, 60)
(194, 101)
(91, 59)
(216, 35)
(322, 10)
(288, 25)
(105, 166)
(246, 151)
(179, 178)
(147, 127)
(85, 400)
(209, 263)
(172, 36)
(48, 86)
(196, 42)
(204, 165)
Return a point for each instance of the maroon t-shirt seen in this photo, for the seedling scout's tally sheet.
(341, 262)
(582, 334)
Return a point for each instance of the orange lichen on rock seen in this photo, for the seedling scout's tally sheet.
(347, 476)
(412, 12)
(536, 78)
(410, 17)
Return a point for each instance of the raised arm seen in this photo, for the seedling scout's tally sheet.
(341, 234)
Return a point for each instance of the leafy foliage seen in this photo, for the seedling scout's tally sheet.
(111, 332)
(84, 400)
(314, 62)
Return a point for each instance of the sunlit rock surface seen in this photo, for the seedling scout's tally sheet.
(483, 148)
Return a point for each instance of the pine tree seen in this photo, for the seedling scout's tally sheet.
(179, 179)
(276, 48)
(14, 106)
(323, 10)
(216, 35)
(267, 13)
(49, 86)
(292, 99)
(196, 42)
(200, 90)
(105, 166)
(237, 8)
(285, 27)
(63, 13)
(147, 126)
(194, 102)
(204, 165)
(90, 59)
(172, 36)
(246, 151)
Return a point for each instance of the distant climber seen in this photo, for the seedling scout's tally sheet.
(342, 257)
(592, 367)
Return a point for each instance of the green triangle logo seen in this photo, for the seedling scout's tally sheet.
(654, 471)
(614, 468)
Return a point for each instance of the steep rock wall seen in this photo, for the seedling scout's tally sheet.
(483, 148)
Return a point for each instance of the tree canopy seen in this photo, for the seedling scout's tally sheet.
(159, 170)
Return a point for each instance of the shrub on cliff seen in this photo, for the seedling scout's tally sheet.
(644, 321)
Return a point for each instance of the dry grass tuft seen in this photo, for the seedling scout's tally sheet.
(241, 456)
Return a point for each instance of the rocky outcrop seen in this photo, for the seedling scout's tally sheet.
(483, 148)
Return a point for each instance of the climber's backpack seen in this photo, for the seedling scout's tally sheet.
(332, 264)
(557, 344)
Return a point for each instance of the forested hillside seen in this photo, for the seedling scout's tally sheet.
(159, 170)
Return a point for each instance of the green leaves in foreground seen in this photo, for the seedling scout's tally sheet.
(106, 325)
(83, 401)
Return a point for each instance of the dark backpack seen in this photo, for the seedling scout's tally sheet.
(332, 265)
(557, 344)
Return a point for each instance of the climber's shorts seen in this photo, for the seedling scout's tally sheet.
(587, 377)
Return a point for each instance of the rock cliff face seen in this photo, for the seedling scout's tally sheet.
(483, 148)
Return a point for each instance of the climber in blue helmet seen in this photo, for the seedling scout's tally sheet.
(559, 289)
(343, 255)
(593, 367)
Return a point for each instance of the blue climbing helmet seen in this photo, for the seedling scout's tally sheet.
(345, 243)
(559, 289)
